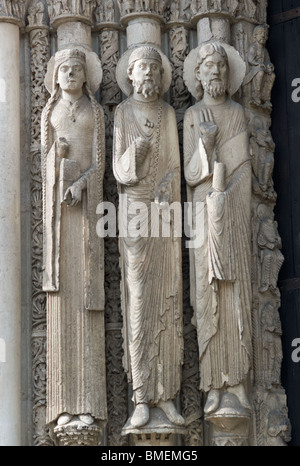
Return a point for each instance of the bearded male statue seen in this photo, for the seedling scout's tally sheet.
(218, 175)
(146, 165)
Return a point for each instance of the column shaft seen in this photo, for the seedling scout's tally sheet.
(10, 282)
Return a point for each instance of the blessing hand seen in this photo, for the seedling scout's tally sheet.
(208, 127)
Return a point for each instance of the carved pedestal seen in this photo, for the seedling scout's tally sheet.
(159, 431)
(77, 433)
(229, 425)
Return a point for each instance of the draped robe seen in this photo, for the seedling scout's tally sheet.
(73, 256)
(220, 267)
(151, 266)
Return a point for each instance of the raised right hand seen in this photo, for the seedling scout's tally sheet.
(208, 127)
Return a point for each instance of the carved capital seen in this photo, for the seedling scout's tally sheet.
(219, 8)
(145, 7)
(106, 15)
(62, 11)
(36, 17)
(13, 11)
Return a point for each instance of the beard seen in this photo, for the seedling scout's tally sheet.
(147, 88)
(215, 89)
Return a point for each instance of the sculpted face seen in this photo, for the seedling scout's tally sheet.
(71, 75)
(261, 36)
(213, 74)
(146, 77)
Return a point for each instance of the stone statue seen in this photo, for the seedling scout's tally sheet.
(269, 242)
(146, 165)
(65, 6)
(247, 8)
(109, 11)
(99, 12)
(271, 343)
(126, 6)
(218, 174)
(57, 7)
(36, 13)
(72, 166)
(88, 7)
(261, 74)
(278, 428)
(262, 150)
(77, 7)
(194, 7)
(175, 10)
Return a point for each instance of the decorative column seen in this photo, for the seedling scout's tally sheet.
(178, 25)
(40, 53)
(108, 28)
(11, 19)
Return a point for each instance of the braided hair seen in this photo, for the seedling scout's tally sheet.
(99, 156)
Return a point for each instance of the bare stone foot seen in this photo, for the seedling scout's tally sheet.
(212, 402)
(240, 393)
(86, 419)
(171, 412)
(140, 416)
(64, 419)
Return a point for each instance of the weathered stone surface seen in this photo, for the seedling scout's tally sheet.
(147, 168)
(73, 168)
(218, 173)
(246, 406)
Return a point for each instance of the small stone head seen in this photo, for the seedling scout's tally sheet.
(145, 70)
(70, 70)
(212, 70)
(260, 34)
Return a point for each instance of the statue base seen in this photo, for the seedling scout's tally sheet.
(229, 424)
(77, 433)
(159, 431)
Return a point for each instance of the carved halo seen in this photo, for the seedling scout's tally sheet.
(237, 69)
(93, 65)
(125, 83)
